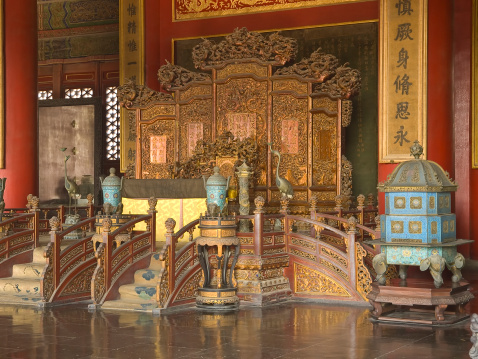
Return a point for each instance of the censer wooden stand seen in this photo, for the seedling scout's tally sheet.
(218, 293)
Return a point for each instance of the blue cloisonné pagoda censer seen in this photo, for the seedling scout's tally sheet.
(418, 228)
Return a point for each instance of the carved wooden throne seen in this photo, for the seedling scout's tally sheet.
(301, 109)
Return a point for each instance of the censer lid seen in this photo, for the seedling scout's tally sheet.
(216, 179)
(418, 175)
(112, 179)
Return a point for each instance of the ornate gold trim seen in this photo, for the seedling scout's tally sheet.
(416, 125)
(200, 10)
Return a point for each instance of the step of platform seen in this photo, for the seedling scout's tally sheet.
(130, 304)
(135, 291)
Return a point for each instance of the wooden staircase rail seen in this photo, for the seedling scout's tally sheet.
(112, 264)
(173, 266)
(17, 244)
(62, 265)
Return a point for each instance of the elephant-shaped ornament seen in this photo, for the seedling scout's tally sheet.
(380, 265)
(436, 264)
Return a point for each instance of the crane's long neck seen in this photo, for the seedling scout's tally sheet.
(278, 164)
(66, 176)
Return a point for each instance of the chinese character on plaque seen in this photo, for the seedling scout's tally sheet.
(195, 133)
(242, 125)
(290, 136)
(158, 149)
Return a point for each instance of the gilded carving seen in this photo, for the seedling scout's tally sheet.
(193, 91)
(174, 77)
(195, 126)
(164, 128)
(324, 150)
(319, 66)
(347, 108)
(47, 280)
(432, 203)
(20, 240)
(346, 179)
(273, 251)
(131, 95)
(81, 283)
(335, 269)
(190, 289)
(345, 83)
(364, 279)
(325, 104)
(303, 254)
(224, 146)
(244, 68)
(304, 243)
(290, 85)
(158, 110)
(335, 256)
(290, 134)
(162, 287)
(119, 256)
(242, 44)
(311, 281)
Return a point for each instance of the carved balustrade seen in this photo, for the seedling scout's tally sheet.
(47, 212)
(176, 264)
(18, 240)
(112, 263)
(67, 275)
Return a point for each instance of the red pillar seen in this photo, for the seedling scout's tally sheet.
(20, 98)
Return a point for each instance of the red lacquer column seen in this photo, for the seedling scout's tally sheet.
(20, 69)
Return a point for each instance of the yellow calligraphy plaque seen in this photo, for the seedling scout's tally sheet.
(403, 78)
(131, 33)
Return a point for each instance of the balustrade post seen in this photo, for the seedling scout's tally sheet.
(284, 204)
(152, 202)
(258, 225)
(361, 208)
(36, 220)
(55, 224)
(171, 243)
(108, 241)
(339, 207)
(352, 232)
(91, 209)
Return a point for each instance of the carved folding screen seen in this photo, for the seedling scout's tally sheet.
(246, 89)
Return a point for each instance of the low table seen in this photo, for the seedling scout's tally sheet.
(419, 301)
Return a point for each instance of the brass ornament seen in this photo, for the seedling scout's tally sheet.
(54, 223)
(170, 223)
(259, 203)
(152, 202)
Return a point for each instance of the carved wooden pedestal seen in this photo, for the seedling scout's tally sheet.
(417, 301)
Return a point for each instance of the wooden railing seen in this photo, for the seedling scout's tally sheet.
(175, 264)
(46, 213)
(17, 244)
(67, 275)
(113, 263)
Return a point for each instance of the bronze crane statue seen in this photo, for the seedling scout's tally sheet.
(285, 187)
(71, 187)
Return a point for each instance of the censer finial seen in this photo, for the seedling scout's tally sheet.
(416, 150)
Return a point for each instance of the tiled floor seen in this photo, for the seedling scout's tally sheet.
(290, 330)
